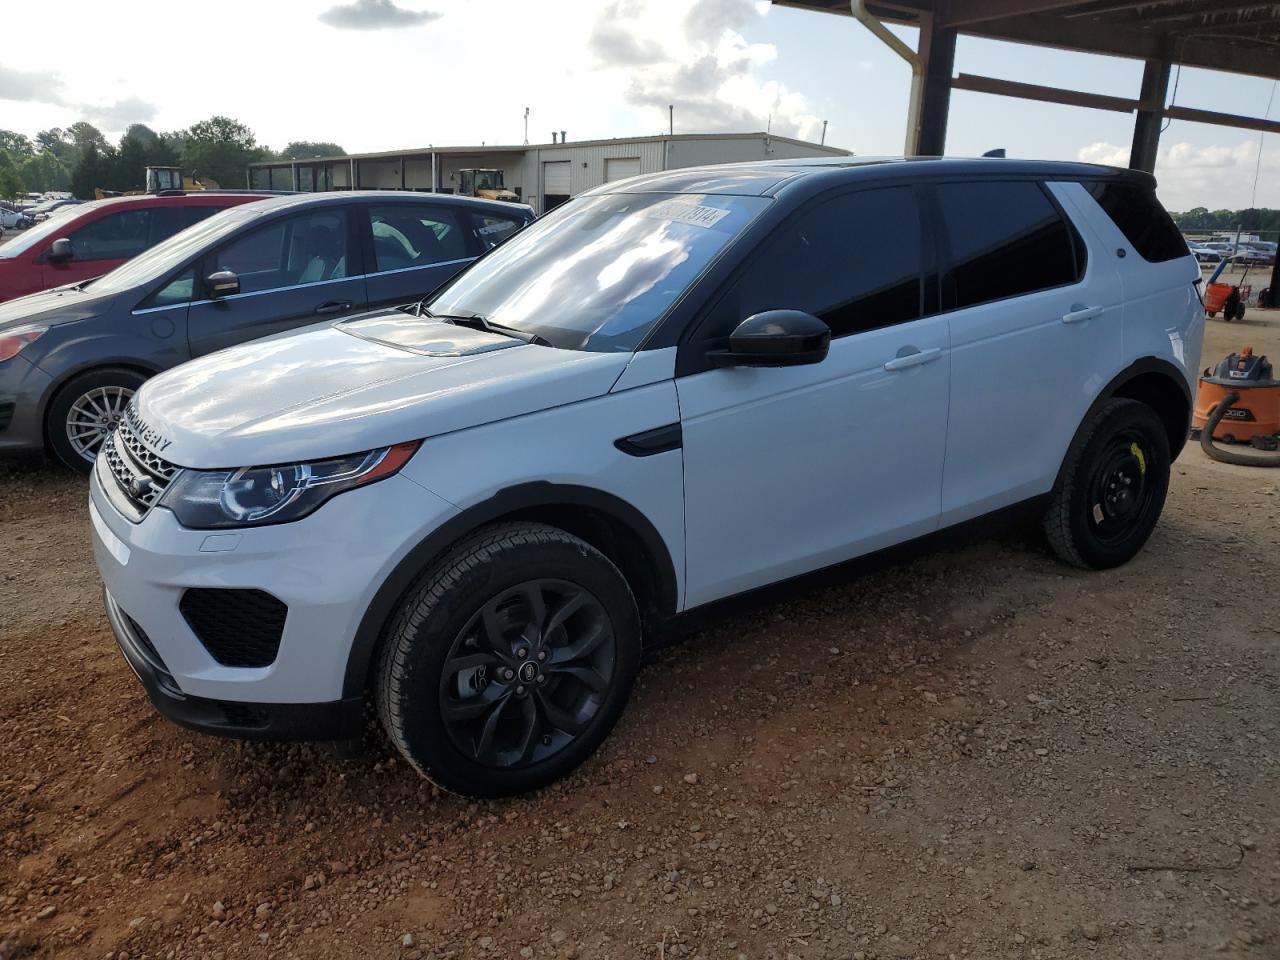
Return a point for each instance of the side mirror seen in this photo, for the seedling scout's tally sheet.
(60, 250)
(222, 283)
(775, 338)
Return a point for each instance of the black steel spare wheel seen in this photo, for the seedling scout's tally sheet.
(510, 661)
(1112, 487)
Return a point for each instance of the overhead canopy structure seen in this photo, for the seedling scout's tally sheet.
(1240, 36)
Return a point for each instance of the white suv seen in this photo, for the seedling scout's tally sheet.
(474, 511)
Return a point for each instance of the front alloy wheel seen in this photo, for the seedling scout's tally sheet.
(527, 674)
(86, 411)
(510, 661)
(93, 417)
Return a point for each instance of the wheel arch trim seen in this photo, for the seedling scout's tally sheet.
(1144, 366)
(508, 501)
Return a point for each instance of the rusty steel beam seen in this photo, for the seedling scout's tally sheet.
(1034, 91)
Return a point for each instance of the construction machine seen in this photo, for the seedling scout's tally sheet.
(159, 179)
(486, 183)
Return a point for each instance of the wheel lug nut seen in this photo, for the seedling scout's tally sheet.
(508, 673)
(520, 689)
(542, 678)
(542, 654)
(522, 653)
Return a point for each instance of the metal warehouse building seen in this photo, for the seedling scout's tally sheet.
(544, 175)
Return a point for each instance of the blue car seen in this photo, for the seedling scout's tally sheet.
(72, 357)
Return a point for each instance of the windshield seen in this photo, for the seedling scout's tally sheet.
(168, 254)
(600, 271)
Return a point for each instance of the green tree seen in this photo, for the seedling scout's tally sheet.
(16, 144)
(220, 148)
(43, 171)
(11, 183)
(93, 169)
(306, 149)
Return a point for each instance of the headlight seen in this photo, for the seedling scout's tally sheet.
(251, 496)
(11, 343)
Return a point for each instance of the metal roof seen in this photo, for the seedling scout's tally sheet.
(525, 148)
(1238, 36)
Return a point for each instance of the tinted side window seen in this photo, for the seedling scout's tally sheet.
(491, 231)
(305, 249)
(854, 261)
(1005, 239)
(1142, 220)
(411, 235)
(117, 236)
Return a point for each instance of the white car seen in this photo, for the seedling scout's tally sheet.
(675, 388)
(1205, 254)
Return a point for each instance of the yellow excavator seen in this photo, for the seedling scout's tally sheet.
(485, 183)
(159, 179)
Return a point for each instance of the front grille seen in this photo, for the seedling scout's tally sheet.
(141, 476)
(239, 628)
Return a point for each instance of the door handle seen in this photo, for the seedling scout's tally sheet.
(334, 306)
(913, 359)
(1076, 314)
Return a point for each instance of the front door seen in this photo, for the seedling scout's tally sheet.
(293, 271)
(795, 468)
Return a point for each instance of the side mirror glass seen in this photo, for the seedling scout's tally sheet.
(60, 250)
(222, 283)
(775, 338)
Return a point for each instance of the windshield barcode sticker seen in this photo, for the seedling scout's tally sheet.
(691, 213)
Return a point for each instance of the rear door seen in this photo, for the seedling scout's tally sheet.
(413, 248)
(1035, 319)
(293, 270)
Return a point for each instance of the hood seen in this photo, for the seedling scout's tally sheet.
(51, 307)
(355, 385)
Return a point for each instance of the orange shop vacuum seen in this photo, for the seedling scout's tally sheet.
(1239, 404)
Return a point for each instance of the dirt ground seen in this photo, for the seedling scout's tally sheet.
(968, 750)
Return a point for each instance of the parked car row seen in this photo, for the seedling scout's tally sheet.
(1242, 252)
(475, 504)
(71, 357)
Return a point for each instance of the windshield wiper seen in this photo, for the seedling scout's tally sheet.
(478, 321)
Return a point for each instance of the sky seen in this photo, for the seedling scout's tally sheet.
(391, 74)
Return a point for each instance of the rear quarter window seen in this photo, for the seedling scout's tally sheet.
(1140, 217)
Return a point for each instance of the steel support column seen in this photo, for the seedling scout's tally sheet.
(1146, 129)
(938, 53)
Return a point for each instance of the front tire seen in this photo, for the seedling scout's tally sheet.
(510, 661)
(1112, 488)
(86, 411)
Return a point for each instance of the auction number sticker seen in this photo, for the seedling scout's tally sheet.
(693, 214)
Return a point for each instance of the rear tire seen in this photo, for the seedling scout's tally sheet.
(1112, 487)
(85, 412)
(510, 661)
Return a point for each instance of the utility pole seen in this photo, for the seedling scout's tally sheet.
(526, 126)
(671, 119)
(823, 141)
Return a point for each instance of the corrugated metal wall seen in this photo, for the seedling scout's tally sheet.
(523, 171)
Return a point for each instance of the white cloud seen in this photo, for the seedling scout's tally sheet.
(1218, 176)
(704, 67)
(375, 15)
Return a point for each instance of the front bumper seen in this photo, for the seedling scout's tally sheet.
(336, 720)
(23, 387)
(325, 568)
